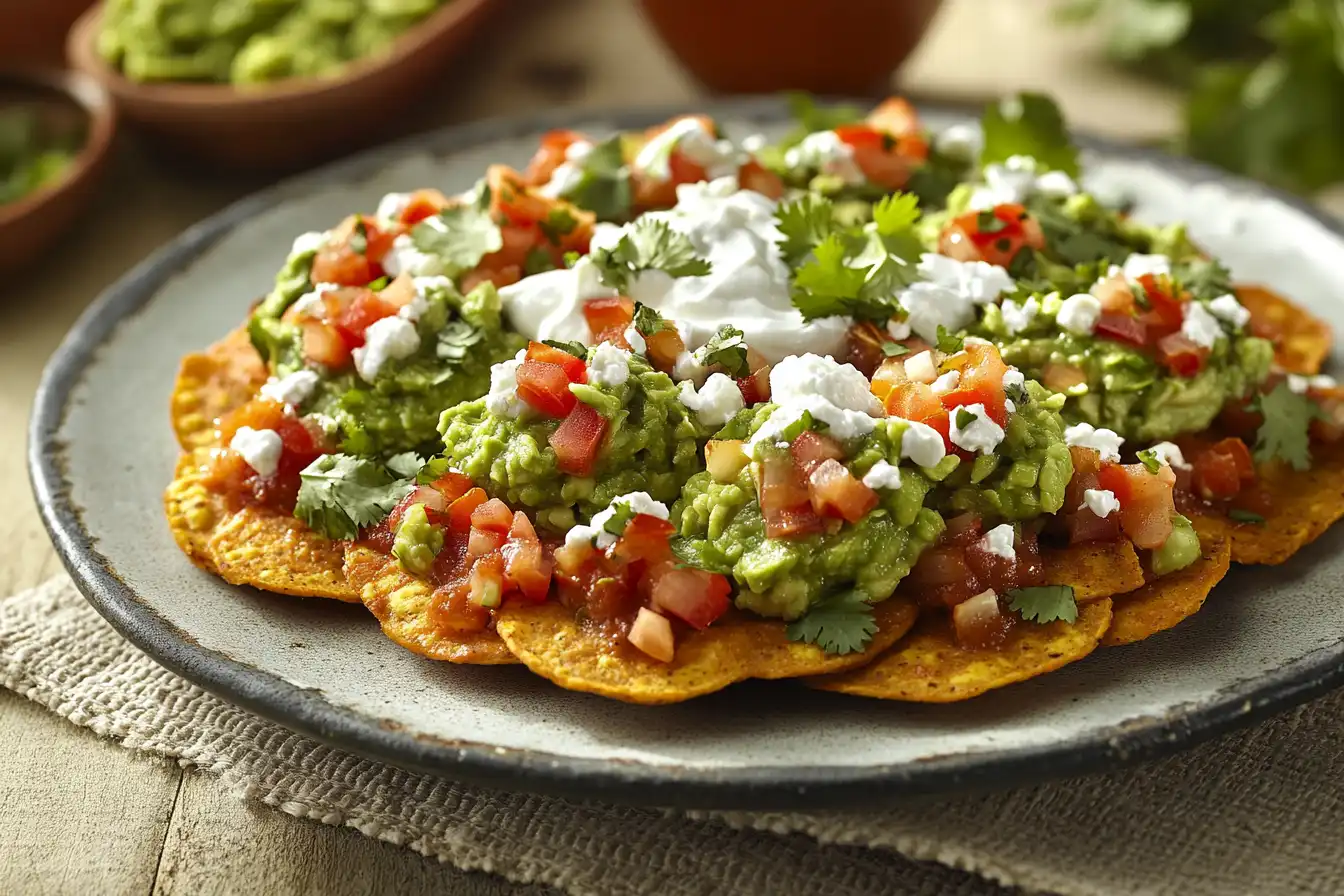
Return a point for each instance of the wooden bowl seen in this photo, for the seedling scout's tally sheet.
(66, 100)
(750, 46)
(34, 30)
(290, 123)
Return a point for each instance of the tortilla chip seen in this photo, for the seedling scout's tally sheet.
(401, 603)
(553, 644)
(1168, 600)
(212, 383)
(1094, 569)
(930, 667)
(1305, 504)
(251, 546)
(1301, 340)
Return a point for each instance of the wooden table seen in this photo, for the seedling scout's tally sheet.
(82, 815)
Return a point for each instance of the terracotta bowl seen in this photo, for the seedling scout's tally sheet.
(289, 123)
(67, 102)
(823, 46)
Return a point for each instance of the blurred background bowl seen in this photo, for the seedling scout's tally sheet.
(34, 30)
(67, 103)
(752, 46)
(290, 123)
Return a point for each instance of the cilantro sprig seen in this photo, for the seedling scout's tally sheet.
(1148, 457)
(1284, 434)
(647, 321)
(648, 244)
(339, 493)
(841, 623)
(1044, 603)
(726, 348)
(460, 235)
(604, 188)
(1028, 124)
(577, 349)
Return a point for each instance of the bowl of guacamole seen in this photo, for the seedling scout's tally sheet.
(267, 84)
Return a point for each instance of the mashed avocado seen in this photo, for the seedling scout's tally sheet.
(249, 41)
(650, 446)
(417, 542)
(1179, 550)
(721, 528)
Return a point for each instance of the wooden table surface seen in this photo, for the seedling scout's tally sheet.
(82, 815)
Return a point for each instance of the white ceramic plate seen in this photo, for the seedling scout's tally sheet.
(101, 452)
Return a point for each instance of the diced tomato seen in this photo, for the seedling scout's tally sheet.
(897, 117)
(663, 348)
(756, 177)
(506, 276)
(1012, 230)
(1062, 377)
(483, 541)
(1115, 295)
(512, 200)
(460, 511)
(1180, 355)
(918, 402)
(890, 374)
(694, 596)
(607, 314)
(545, 386)
(1164, 305)
(962, 529)
(487, 581)
(836, 493)
(942, 578)
(1122, 328)
(577, 440)
(1146, 501)
(452, 485)
(645, 538)
(517, 241)
(365, 310)
(550, 155)
(791, 522)
(575, 370)
(1222, 470)
(352, 254)
(422, 204)
(883, 159)
(492, 516)
(782, 484)
(1085, 460)
(863, 346)
(725, 458)
(652, 635)
(809, 449)
(451, 608)
(1084, 525)
(756, 387)
(979, 622)
(525, 563)
(322, 344)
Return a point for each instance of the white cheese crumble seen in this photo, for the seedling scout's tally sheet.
(1199, 326)
(898, 329)
(260, 448)
(921, 367)
(1170, 454)
(1085, 435)
(405, 258)
(1079, 313)
(1138, 265)
(311, 241)
(960, 141)
(502, 399)
(922, 444)
(1301, 385)
(1016, 180)
(595, 533)
(310, 303)
(1013, 379)
(1100, 501)
(980, 432)
(947, 382)
(568, 174)
(1017, 317)
(1056, 185)
(293, 389)
(833, 393)
(391, 338)
(882, 475)
(999, 541)
(686, 369)
(827, 153)
(716, 401)
(635, 340)
(610, 366)
(719, 158)
(1226, 308)
(949, 293)
(391, 206)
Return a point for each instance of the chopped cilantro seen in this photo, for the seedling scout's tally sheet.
(726, 348)
(948, 342)
(894, 349)
(964, 418)
(1149, 459)
(896, 213)
(433, 469)
(380, 284)
(455, 338)
(825, 285)
(805, 223)
(1284, 434)
(571, 258)
(604, 188)
(649, 244)
(1236, 514)
(621, 515)
(1044, 603)
(359, 238)
(988, 222)
(405, 465)
(841, 623)
(538, 261)
(577, 349)
(559, 223)
(1028, 124)
(339, 494)
(460, 235)
(647, 321)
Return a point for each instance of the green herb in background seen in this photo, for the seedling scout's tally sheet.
(29, 159)
(1265, 78)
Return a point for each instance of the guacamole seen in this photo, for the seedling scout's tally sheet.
(29, 158)
(249, 42)
(650, 444)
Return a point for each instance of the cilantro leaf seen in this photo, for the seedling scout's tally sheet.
(1236, 514)
(805, 223)
(460, 235)
(577, 349)
(433, 469)
(604, 188)
(1028, 124)
(405, 465)
(948, 342)
(648, 244)
(1284, 434)
(726, 348)
(896, 213)
(1149, 459)
(647, 321)
(621, 515)
(559, 223)
(339, 494)
(841, 623)
(1044, 603)
(964, 418)
(456, 338)
(824, 285)
(894, 349)
(538, 261)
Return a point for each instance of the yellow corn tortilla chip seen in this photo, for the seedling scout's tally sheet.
(212, 383)
(930, 667)
(553, 645)
(1094, 569)
(1304, 504)
(1168, 600)
(251, 546)
(1303, 340)
(401, 604)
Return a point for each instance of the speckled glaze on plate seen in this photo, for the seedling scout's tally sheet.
(101, 451)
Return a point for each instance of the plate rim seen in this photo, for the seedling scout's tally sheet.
(613, 780)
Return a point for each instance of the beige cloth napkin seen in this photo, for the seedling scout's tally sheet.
(1259, 811)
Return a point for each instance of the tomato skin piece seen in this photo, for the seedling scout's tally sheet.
(607, 314)
(460, 511)
(694, 596)
(575, 369)
(646, 538)
(492, 516)
(544, 386)
(1146, 501)
(1222, 470)
(1180, 355)
(578, 439)
(1122, 328)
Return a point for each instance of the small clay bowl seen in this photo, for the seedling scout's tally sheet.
(844, 47)
(68, 105)
(289, 123)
